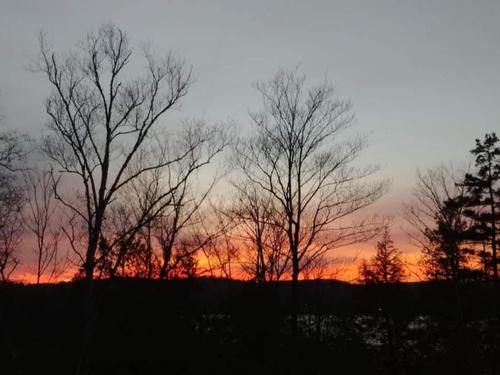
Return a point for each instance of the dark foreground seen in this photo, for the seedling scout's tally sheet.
(207, 326)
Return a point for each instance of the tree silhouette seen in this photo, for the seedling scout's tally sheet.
(40, 218)
(438, 215)
(11, 224)
(104, 135)
(448, 253)
(102, 125)
(262, 242)
(386, 267)
(297, 158)
(12, 152)
(484, 191)
(159, 205)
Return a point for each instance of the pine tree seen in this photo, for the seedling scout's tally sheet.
(446, 254)
(484, 193)
(386, 267)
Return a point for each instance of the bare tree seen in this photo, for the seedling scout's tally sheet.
(297, 157)
(12, 151)
(104, 129)
(263, 243)
(40, 218)
(213, 237)
(437, 214)
(159, 205)
(11, 225)
(102, 123)
(187, 199)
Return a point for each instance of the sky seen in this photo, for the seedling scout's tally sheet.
(423, 76)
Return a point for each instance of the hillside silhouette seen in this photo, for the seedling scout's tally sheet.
(222, 326)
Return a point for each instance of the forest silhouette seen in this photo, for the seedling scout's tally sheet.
(192, 249)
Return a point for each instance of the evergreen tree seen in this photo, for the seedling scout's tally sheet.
(386, 267)
(446, 254)
(483, 188)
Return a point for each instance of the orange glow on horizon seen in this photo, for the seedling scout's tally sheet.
(28, 277)
(343, 266)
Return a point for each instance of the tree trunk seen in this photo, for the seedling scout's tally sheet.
(295, 294)
(88, 308)
(89, 318)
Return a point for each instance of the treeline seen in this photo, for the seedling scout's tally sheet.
(455, 220)
(118, 186)
(458, 216)
(113, 190)
(129, 195)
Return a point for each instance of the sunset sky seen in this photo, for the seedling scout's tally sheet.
(423, 76)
